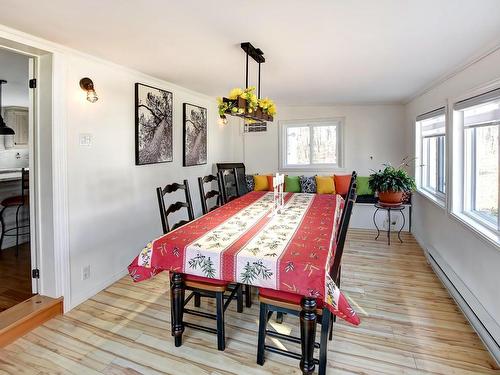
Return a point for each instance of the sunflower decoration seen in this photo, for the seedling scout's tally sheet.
(230, 105)
(267, 106)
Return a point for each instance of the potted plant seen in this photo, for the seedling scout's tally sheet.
(391, 183)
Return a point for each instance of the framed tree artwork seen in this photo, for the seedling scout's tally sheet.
(153, 125)
(195, 135)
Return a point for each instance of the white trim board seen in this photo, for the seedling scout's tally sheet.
(82, 297)
(483, 323)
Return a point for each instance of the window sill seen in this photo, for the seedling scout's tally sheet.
(479, 230)
(438, 202)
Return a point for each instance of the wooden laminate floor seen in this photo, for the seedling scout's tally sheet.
(15, 276)
(410, 325)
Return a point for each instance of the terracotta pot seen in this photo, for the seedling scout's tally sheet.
(391, 197)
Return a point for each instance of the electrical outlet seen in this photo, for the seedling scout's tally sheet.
(86, 272)
(85, 140)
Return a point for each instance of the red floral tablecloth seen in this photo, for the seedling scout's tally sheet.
(243, 242)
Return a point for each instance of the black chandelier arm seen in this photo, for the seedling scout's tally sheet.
(258, 56)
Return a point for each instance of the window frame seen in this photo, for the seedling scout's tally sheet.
(339, 122)
(469, 199)
(457, 160)
(437, 196)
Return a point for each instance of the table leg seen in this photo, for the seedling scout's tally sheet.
(307, 334)
(177, 306)
(389, 229)
(402, 226)
(375, 223)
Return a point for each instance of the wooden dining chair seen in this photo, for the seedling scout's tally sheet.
(241, 172)
(220, 201)
(230, 185)
(206, 196)
(231, 190)
(277, 301)
(279, 315)
(199, 286)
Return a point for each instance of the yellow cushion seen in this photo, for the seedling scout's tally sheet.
(325, 185)
(260, 183)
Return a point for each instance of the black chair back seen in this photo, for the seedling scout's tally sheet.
(240, 168)
(353, 181)
(25, 183)
(210, 194)
(344, 226)
(230, 185)
(174, 206)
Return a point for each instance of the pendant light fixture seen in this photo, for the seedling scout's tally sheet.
(4, 129)
(246, 103)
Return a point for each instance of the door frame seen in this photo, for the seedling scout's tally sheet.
(32, 163)
(50, 154)
(32, 121)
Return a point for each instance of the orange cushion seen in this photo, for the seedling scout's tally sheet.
(205, 280)
(342, 183)
(270, 183)
(15, 201)
(260, 183)
(285, 297)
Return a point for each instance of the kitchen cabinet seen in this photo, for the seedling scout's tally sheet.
(17, 119)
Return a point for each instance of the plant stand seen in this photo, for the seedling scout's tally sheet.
(389, 208)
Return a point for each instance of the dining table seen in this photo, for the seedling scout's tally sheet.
(248, 241)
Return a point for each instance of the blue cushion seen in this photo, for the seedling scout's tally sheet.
(308, 184)
(249, 181)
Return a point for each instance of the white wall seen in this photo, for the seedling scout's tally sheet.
(373, 134)
(474, 260)
(113, 210)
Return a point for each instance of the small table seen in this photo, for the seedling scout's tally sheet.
(389, 208)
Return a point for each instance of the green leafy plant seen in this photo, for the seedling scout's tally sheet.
(392, 179)
(252, 103)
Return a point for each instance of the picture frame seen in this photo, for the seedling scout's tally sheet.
(153, 125)
(195, 132)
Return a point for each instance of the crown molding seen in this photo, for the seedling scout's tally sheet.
(447, 76)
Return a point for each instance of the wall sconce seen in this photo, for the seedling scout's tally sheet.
(87, 85)
(222, 120)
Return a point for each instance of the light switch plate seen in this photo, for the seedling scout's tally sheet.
(85, 140)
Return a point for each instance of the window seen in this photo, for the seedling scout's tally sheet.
(431, 149)
(311, 144)
(480, 117)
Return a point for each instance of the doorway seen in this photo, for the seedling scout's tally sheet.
(18, 260)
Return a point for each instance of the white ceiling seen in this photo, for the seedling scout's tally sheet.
(318, 52)
(14, 69)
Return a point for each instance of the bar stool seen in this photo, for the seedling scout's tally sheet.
(18, 202)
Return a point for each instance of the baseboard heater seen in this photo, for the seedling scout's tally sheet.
(484, 334)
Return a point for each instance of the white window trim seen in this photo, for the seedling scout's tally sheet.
(441, 203)
(455, 186)
(437, 198)
(339, 166)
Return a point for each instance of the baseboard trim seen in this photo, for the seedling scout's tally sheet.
(481, 321)
(82, 297)
(25, 316)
